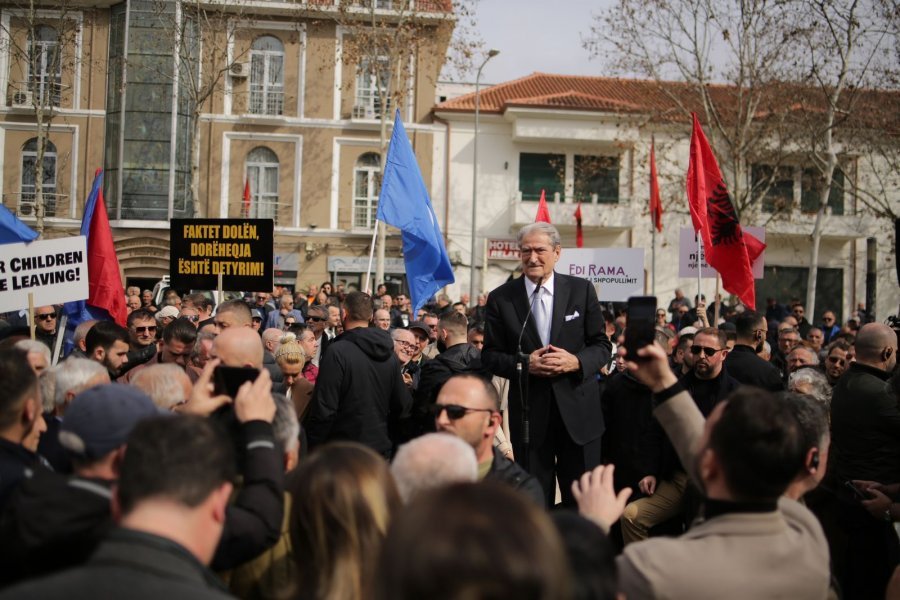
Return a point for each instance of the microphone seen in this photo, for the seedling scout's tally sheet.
(534, 296)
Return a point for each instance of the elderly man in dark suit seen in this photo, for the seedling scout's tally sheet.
(560, 348)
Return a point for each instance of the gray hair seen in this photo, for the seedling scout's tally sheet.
(540, 227)
(47, 385)
(202, 336)
(285, 425)
(163, 382)
(74, 375)
(34, 347)
(820, 388)
(431, 461)
(82, 329)
(814, 357)
(812, 416)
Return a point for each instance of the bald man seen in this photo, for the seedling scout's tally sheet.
(865, 442)
(238, 347)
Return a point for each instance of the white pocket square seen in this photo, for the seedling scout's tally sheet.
(573, 316)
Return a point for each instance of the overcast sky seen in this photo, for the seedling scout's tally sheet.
(536, 35)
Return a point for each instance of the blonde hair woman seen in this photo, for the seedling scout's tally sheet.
(344, 498)
(290, 357)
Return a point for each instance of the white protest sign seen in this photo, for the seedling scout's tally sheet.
(617, 273)
(55, 271)
(687, 254)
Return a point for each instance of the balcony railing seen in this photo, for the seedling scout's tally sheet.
(280, 212)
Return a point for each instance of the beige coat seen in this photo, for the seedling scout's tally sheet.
(782, 554)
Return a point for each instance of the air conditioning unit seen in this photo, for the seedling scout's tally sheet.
(240, 70)
(363, 111)
(22, 100)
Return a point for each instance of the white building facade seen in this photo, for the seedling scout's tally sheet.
(587, 139)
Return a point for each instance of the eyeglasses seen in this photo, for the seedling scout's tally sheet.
(147, 329)
(454, 411)
(192, 318)
(709, 352)
(46, 316)
(408, 345)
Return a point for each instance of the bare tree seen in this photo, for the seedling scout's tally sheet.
(845, 42)
(386, 42)
(730, 60)
(202, 35)
(40, 42)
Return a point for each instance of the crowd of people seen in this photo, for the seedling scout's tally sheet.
(328, 443)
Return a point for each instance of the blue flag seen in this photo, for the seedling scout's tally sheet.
(12, 230)
(404, 203)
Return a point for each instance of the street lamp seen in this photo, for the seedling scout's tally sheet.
(473, 293)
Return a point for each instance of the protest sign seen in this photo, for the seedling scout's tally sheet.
(687, 254)
(617, 273)
(53, 271)
(240, 250)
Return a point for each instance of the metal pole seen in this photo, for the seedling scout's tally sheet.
(473, 293)
(653, 260)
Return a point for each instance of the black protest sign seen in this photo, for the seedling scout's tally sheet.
(241, 250)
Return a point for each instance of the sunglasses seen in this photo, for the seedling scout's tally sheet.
(454, 411)
(46, 316)
(147, 329)
(828, 319)
(315, 319)
(709, 352)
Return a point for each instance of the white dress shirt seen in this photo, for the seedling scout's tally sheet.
(543, 306)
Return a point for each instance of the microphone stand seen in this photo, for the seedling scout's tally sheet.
(522, 376)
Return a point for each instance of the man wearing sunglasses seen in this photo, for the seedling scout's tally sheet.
(708, 384)
(142, 328)
(45, 325)
(317, 321)
(468, 406)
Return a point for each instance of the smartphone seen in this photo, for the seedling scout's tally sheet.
(228, 380)
(855, 491)
(640, 324)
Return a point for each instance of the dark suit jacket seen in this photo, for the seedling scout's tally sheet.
(744, 365)
(577, 326)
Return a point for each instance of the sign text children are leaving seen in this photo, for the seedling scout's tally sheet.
(54, 271)
(241, 250)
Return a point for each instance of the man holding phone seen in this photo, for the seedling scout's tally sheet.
(555, 322)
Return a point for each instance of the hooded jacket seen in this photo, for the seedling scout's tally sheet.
(360, 395)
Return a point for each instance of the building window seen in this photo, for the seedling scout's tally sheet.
(372, 80)
(44, 65)
(267, 76)
(366, 183)
(538, 172)
(778, 184)
(811, 182)
(28, 192)
(597, 176)
(262, 174)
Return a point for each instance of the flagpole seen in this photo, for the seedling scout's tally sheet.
(371, 256)
(716, 301)
(699, 264)
(653, 260)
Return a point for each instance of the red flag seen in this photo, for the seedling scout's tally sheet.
(656, 209)
(579, 234)
(728, 249)
(245, 207)
(543, 213)
(104, 281)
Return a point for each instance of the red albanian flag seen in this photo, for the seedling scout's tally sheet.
(579, 234)
(728, 249)
(656, 209)
(543, 213)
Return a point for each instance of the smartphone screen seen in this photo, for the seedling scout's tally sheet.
(640, 324)
(228, 380)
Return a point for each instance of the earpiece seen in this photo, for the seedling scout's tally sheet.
(814, 460)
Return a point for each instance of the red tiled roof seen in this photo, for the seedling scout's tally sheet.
(660, 100)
